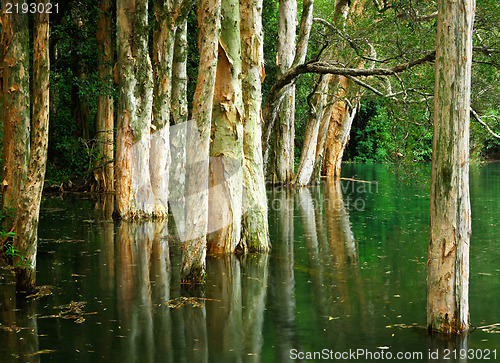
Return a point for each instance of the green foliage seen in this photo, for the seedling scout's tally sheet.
(383, 132)
(75, 87)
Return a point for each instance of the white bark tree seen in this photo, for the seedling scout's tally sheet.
(450, 214)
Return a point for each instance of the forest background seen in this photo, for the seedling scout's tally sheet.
(384, 129)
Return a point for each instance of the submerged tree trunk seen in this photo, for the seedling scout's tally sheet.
(194, 248)
(226, 149)
(163, 48)
(104, 117)
(448, 259)
(134, 195)
(28, 159)
(255, 225)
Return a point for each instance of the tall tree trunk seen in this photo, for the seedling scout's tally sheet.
(255, 225)
(282, 156)
(450, 215)
(29, 196)
(134, 195)
(226, 149)
(194, 249)
(16, 116)
(179, 117)
(104, 118)
(163, 48)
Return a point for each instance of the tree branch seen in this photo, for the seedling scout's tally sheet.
(321, 67)
(478, 119)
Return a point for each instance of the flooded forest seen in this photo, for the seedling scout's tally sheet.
(250, 180)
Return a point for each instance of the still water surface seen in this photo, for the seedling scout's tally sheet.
(347, 271)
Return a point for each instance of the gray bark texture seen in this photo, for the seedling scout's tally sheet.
(255, 226)
(450, 214)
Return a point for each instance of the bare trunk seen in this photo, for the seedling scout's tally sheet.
(194, 249)
(16, 116)
(255, 226)
(29, 207)
(450, 214)
(163, 49)
(282, 156)
(178, 132)
(308, 155)
(338, 130)
(226, 149)
(337, 138)
(134, 195)
(104, 118)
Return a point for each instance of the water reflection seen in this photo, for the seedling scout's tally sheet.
(336, 279)
(18, 323)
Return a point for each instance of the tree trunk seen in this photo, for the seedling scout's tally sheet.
(311, 137)
(226, 149)
(134, 194)
(194, 249)
(104, 117)
(28, 207)
(163, 48)
(282, 156)
(16, 116)
(255, 225)
(323, 129)
(178, 132)
(338, 135)
(450, 215)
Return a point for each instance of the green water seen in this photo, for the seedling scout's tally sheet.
(347, 272)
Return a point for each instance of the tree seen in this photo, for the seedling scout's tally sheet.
(226, 149)
(104, 116)
(134, 193)
(282, 153)
(450, 215)
(255, 227)
(24, 164)
(194, 248)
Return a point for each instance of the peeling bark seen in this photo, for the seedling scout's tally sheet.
(29, 158)
(16, 116)
(255, 226)
(450, 214)
(282, 155)
(226, 149)
(134, 194)
(194, 249)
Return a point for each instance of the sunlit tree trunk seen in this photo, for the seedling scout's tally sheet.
(178, 134)
(104, 117)
(134, 195)
(450, 214)
(194, 249)
(282, 156)
(163, 48)
(226, 149)
(255, 225)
